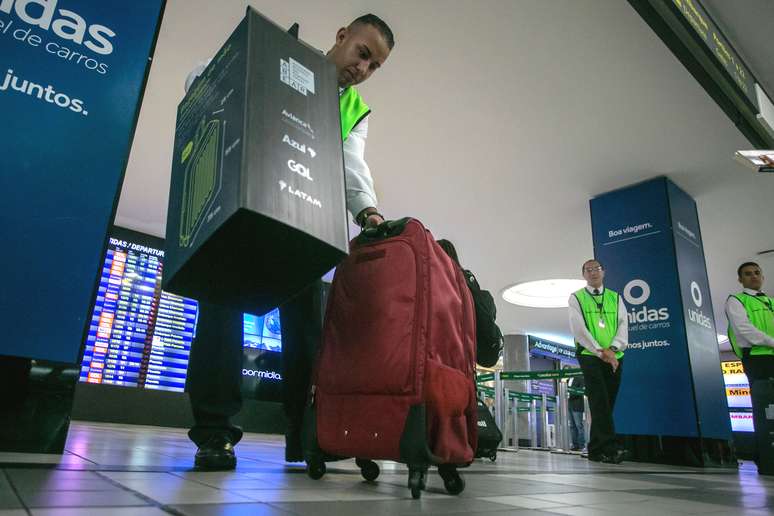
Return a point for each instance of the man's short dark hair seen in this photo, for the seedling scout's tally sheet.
(745, 264)
(379, 24)
(583, 267)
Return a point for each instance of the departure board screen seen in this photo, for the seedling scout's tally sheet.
(167, 359)
(140, 336)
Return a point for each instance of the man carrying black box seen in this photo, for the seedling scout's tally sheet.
(214, 371)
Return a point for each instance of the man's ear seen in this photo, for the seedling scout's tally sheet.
(341, 35)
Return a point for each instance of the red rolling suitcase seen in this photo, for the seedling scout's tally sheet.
(394, 378)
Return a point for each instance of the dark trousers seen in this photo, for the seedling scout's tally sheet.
(601, 389)
(577, 430)
(757, 367)
(215, 364)
(302, 320)
(214, 380)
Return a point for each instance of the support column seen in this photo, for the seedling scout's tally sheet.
(516, 358)
(672, 395)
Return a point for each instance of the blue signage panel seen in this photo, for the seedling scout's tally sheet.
(71, 78)
(701, 334)
(549, 349)
(633, 239)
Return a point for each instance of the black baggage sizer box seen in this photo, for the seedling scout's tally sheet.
(762, 394)
(257, 205)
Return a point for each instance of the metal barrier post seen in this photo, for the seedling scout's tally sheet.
(533, 442)
(515, 409)
(586, 419)
(498, 400)
(563, 417)
(544, 421)
(506, 429)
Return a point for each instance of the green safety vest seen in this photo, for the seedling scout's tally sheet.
(760, 311)
(353, 109)
(603, 333)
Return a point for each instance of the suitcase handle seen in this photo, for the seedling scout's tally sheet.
(385, 230)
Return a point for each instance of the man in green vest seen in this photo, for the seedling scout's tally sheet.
(750, 316)
(599, 325)
(215, 364)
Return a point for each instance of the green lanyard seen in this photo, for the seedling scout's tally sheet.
(766, 303)
(600, 305)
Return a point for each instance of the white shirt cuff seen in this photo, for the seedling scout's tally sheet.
(359, 201)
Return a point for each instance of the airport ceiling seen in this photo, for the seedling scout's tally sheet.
(495, 122)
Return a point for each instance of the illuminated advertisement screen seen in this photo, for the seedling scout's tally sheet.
(140, 336)
(263, 331)
(738, 396)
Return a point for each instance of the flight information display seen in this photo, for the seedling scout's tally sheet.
(140, 336)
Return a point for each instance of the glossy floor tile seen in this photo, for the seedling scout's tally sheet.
(122, 470)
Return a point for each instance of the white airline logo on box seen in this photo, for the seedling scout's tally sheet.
(301, 147)
(299, 194)
(297, 76)
(300, 169)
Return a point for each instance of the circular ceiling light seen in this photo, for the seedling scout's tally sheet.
(550, 293)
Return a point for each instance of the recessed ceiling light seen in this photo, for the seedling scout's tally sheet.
(550, 293)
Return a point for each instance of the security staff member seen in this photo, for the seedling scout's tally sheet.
(215, 364)
(751, 327)
(599, 325)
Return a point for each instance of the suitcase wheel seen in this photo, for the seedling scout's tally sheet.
(417, 481)
(368, 468)
(493, 456)
(452, 480)
(315, 470)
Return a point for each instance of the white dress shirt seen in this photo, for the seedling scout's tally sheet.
(582, 335)
(359, 183)
(357, 176)
(746, 334)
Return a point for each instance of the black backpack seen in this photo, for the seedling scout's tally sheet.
(489, 338)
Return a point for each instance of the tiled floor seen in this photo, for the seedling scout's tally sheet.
(121, 470)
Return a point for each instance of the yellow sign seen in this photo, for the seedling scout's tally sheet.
(734, 367)
(737, 391)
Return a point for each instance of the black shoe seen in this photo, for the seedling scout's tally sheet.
(294, 451)
(615, 457)
(216, 454)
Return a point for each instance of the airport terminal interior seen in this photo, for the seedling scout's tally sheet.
(599, 173)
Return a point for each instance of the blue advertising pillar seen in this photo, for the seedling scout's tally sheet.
(671, 405)
(72, 73)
